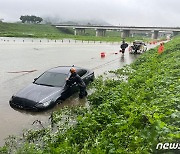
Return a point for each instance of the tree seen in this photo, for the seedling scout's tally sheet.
(23, 19)
(30, 19)
(39, 19)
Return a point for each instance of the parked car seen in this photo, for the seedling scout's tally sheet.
(50, 87)
(138, 47)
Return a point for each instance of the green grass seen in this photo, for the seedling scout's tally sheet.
(30, 30)
(125, 116)
(50, 32)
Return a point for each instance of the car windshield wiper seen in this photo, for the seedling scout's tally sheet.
(44, 84)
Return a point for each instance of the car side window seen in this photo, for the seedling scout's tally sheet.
(81, 72)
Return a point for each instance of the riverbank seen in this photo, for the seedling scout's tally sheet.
(50, 32)
(125, 116)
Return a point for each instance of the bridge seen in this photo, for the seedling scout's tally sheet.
(125, 30)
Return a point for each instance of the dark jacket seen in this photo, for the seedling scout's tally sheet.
(74, 77)
(124, 46)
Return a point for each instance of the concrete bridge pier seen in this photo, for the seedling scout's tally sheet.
(79, 31)
(175, 33)
(100, 32)
(125, 33)
(132, 34)
(155, 34)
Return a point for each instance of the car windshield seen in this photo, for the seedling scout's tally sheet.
(52, 79)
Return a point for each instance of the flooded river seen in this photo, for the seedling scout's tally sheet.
(36, 56)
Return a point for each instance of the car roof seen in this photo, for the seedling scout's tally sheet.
(138, 41)
(63, 69)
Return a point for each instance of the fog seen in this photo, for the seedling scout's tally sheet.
(115, 12)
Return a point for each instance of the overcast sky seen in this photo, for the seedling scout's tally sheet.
(115, 12)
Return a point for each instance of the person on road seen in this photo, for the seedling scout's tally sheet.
(123, 46)
(75, 78)
(136, 47)
(161, 48)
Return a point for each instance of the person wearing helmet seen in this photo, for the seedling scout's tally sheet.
(74, 77)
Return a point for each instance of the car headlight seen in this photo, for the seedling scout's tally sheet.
(47, 103)
(44, 104)
(11, 98)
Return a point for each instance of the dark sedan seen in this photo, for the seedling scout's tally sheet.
(49, 88)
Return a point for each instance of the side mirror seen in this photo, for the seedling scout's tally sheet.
(35, 79)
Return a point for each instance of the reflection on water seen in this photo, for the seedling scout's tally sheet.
(72, 101)
(122, 59)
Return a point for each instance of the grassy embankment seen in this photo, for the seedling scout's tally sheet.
(125, 116)
(50, 32)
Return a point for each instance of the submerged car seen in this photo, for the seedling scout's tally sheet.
(49, 88)
(138, 47)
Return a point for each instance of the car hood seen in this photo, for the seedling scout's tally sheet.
(39, 93)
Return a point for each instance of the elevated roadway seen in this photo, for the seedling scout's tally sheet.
(101, 30)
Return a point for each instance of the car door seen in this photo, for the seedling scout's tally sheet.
(84, 76)
(74, 87)
(82, 73)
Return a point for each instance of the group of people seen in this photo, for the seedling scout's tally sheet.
(124, 45)
(75, 78)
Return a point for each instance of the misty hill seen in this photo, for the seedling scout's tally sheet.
(87, 22)
(51, 20)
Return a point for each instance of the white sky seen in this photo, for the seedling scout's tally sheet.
(115, 12)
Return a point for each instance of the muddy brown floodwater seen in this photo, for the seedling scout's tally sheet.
(36, 56)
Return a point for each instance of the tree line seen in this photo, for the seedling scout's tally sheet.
(31, 19)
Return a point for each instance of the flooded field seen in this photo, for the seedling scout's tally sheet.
(22, 60)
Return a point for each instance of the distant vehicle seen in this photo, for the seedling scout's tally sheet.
(138, 47)
(49, 88)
